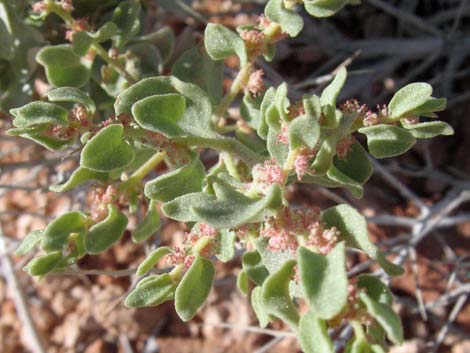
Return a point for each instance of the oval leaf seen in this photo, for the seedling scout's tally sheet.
(29, 242)
(36, 113)
(289, 20)
(56, 234)
(103, 235)
(275, 295)
(194, 288)
(42, 265)
(387, 140)
(72, 94)
(353, 228)
(220, 43)
(107, 151)
(152, 259)
(409, 98)
(152, 291)
(324, 280)
(149, 224)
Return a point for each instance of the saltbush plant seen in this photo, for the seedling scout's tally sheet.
(110, 103)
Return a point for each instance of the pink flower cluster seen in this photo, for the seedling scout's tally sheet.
(255, 83)
(344, 146)
(303, 160)
(289, 224)
(267, 174)
(181, 254)
(101, 198)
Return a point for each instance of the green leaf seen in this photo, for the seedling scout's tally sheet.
(127, 19)
(387, 140)
(330, 95)
(195, 66)
(220, 43)
(386, 317)
(254, 267)
(104, 234)
(149, 224)
(63, 66)
(356, 165)
(228, 209)
(304, 131)
(107, 151)
(56, 234)
(152, 259)
(353, 228)
(194, 288)
(227, 245)
(51, 143)
(342, 179)
(72, 94)
(324, 8)
(37, 113)
(80, 176)
(160, 113)
(257, 305)
(196, 120)
(409, 98)
(375, 289)
(324, 280)
(242, 282)
(151, 291)
(313, 334)
(275, 295)
(184, 180)
(430, 106)
(29, 242)
(429, 129)
(289, 20)
(81, 42)
(263, 317)
(163, 40)
(39, 266)
(105, 32)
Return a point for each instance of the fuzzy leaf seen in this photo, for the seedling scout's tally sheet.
(149, 224)
(227, 245)
(127, 19)
(257, 305)
(304, 131)
(353, 228)
(6, 38)
(51, 143)
(194, 288)
(107, 151)
(432, 105)
(29, 242)
(152, 259)
(387, 140)
(80, 176)
(39, 266)
(196, 119)
(56, 234)
(324, 280)
(163, 40)
(254, 267)
(227, 210)
(160, 113)
(409, 98)
(184, 180)
(72, 94)
(330, 95)
(313, 334)
(386, 317)
(275, 295)
(195, 66)
(220, 43)
(375, 289)
(324, 8)
(356, 165)
(104, 234)
(242, 282)
(342, 179)
(81, 42)
(37, 113)
(105, 32)
(429, 129)
(151, 291)
(63, 66)
(289, 20)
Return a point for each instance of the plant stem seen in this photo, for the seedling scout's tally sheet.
(237, 85)
(148, 166)
(358, 330)
(140, 173)
(53, 7)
